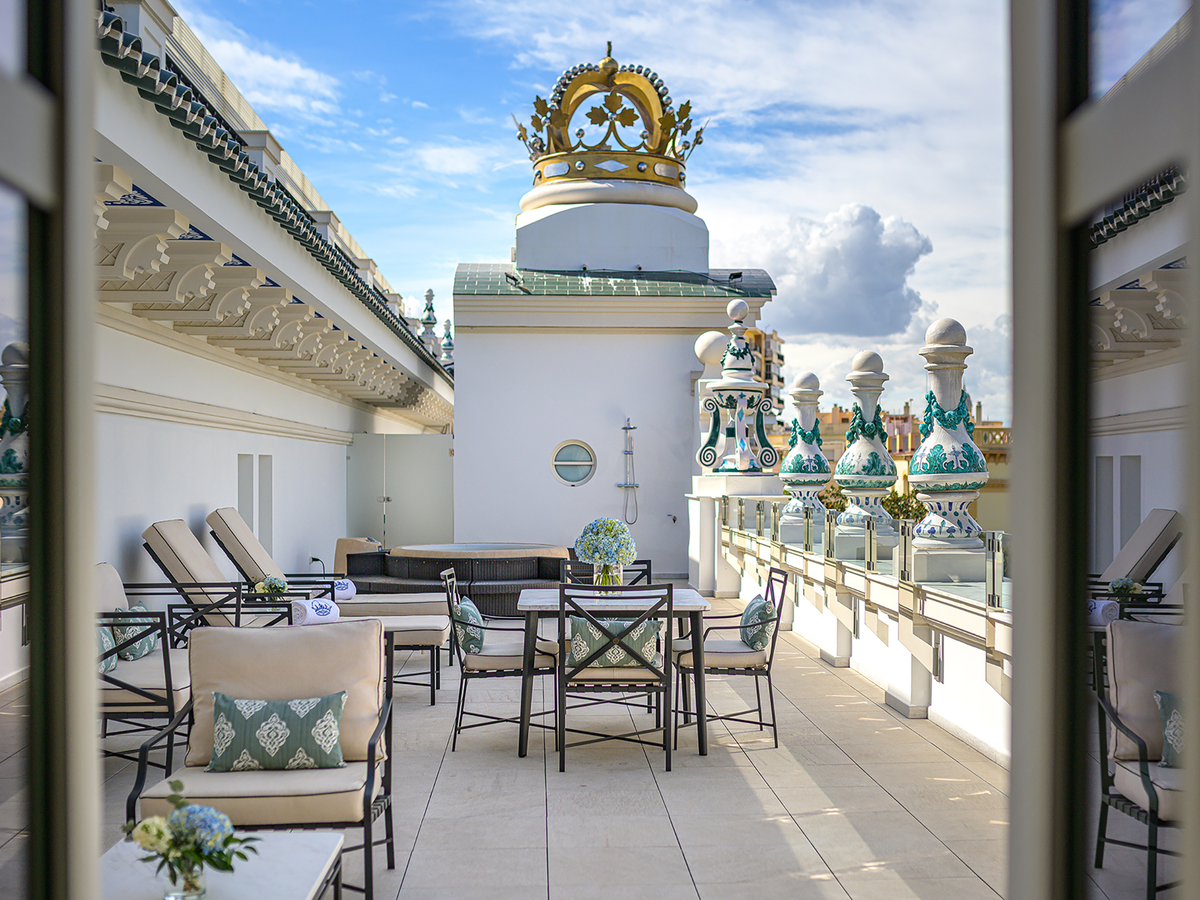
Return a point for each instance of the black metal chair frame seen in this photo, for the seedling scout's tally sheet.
(372, 808)
(574, 571)
(435, 665)
(1109, 797)
(776, 592)
(570, 685)
(450, 581)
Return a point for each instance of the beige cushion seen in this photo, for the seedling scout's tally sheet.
(394, 605)
(352, 545)
(509, 655)
(1143, 657)
(723, 654)
(288, 664)
(416, 631)
(613, 674)
(241, 544)
(110, 590)
(185, 558)
(147, 673)
(1146, 547)
(1168, 784)
(300, 796)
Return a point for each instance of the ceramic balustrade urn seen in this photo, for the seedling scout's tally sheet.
(948, 469)
(866, 471)
(744, 400)
(805, 470)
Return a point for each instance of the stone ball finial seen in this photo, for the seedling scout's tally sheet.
(15, 354)
(428, 294)
(867, 361)
(737, 310)
(710, 347)
(806, 381)
(946, 331)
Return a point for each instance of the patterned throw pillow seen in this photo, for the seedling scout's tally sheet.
(586, 638)
(276, 734)
(104, 643)
(468, 626)
(758, 623)
(1171, 710)
(121, 633)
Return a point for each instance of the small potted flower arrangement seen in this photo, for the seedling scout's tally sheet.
(1124, 588)
(271, 585)
(608, 546)
(183, 843)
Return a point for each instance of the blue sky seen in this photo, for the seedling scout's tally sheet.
(858, 150)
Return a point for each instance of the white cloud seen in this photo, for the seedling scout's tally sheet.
(417, 104)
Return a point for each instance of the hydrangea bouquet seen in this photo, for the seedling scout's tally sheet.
(271, 585)
(1124, 587)
(186, 841)
(607, 545)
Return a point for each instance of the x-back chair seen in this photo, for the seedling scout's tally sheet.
(288, 664)
(573, 571)
(640, 671)
(209, 597)
(503, 657)
(1135, 659)
(732, 656)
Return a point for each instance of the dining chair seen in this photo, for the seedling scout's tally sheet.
(479, 658)
(606, 655)
(749, 652)
(578, 572)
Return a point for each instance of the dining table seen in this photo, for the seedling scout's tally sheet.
(543, 603)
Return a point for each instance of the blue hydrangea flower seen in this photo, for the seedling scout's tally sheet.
(201, 825)
(606, 542)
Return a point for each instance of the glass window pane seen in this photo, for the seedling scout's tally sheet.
(1124, 31)
(14, 569)
(573, 473)
(573, 453)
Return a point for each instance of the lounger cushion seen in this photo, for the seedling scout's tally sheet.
(721, 654)
(1168, 784)
(242, 546)
(509, 655)
(1143, 657)
(1146, 547)
(416, 631)
(432, 604)
(262, 663)
(271, 798)
(185, 558)
(147, 673)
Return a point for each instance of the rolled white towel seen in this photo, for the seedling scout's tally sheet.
(318, 611)
(344, 589)
(1101, 612)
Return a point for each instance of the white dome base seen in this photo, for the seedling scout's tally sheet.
(590, 190)
(619, 236)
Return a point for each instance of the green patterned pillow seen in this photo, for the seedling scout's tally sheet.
(104, 643)
(468, 626)
(758, 623)
(1171, 710)
(586, 638)
(121, 633)
(276, 734)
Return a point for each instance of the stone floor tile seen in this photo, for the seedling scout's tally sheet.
(988, 859)
(446, 867)
(879, 844)
(813, 887)
(616, 866)
(898, 888)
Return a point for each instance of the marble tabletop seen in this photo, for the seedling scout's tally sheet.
(289, 866)
(684, 600)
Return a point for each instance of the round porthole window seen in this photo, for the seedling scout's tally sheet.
(573, 462)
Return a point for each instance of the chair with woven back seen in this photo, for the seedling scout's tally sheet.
(749, 652)
(501, 657)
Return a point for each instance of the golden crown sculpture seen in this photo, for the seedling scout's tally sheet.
(627, 94)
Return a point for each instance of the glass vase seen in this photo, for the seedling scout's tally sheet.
(606, 575)
(187, 885)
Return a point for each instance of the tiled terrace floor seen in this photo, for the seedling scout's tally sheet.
(857, 802)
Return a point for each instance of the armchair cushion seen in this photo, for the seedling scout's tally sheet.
(121, 633)
(586, 638)
(149, 674)
(468, 626)
(758, 623)
(1171, 710)
(291, 797)
(1142, 657)
(720, 654)
(1168, 785)
(508, 655)
(276, 734)
(261, 663)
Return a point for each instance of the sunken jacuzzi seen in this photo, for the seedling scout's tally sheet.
(492, 575)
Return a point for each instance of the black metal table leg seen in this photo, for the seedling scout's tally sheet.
(531, 626)
(698, 667)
